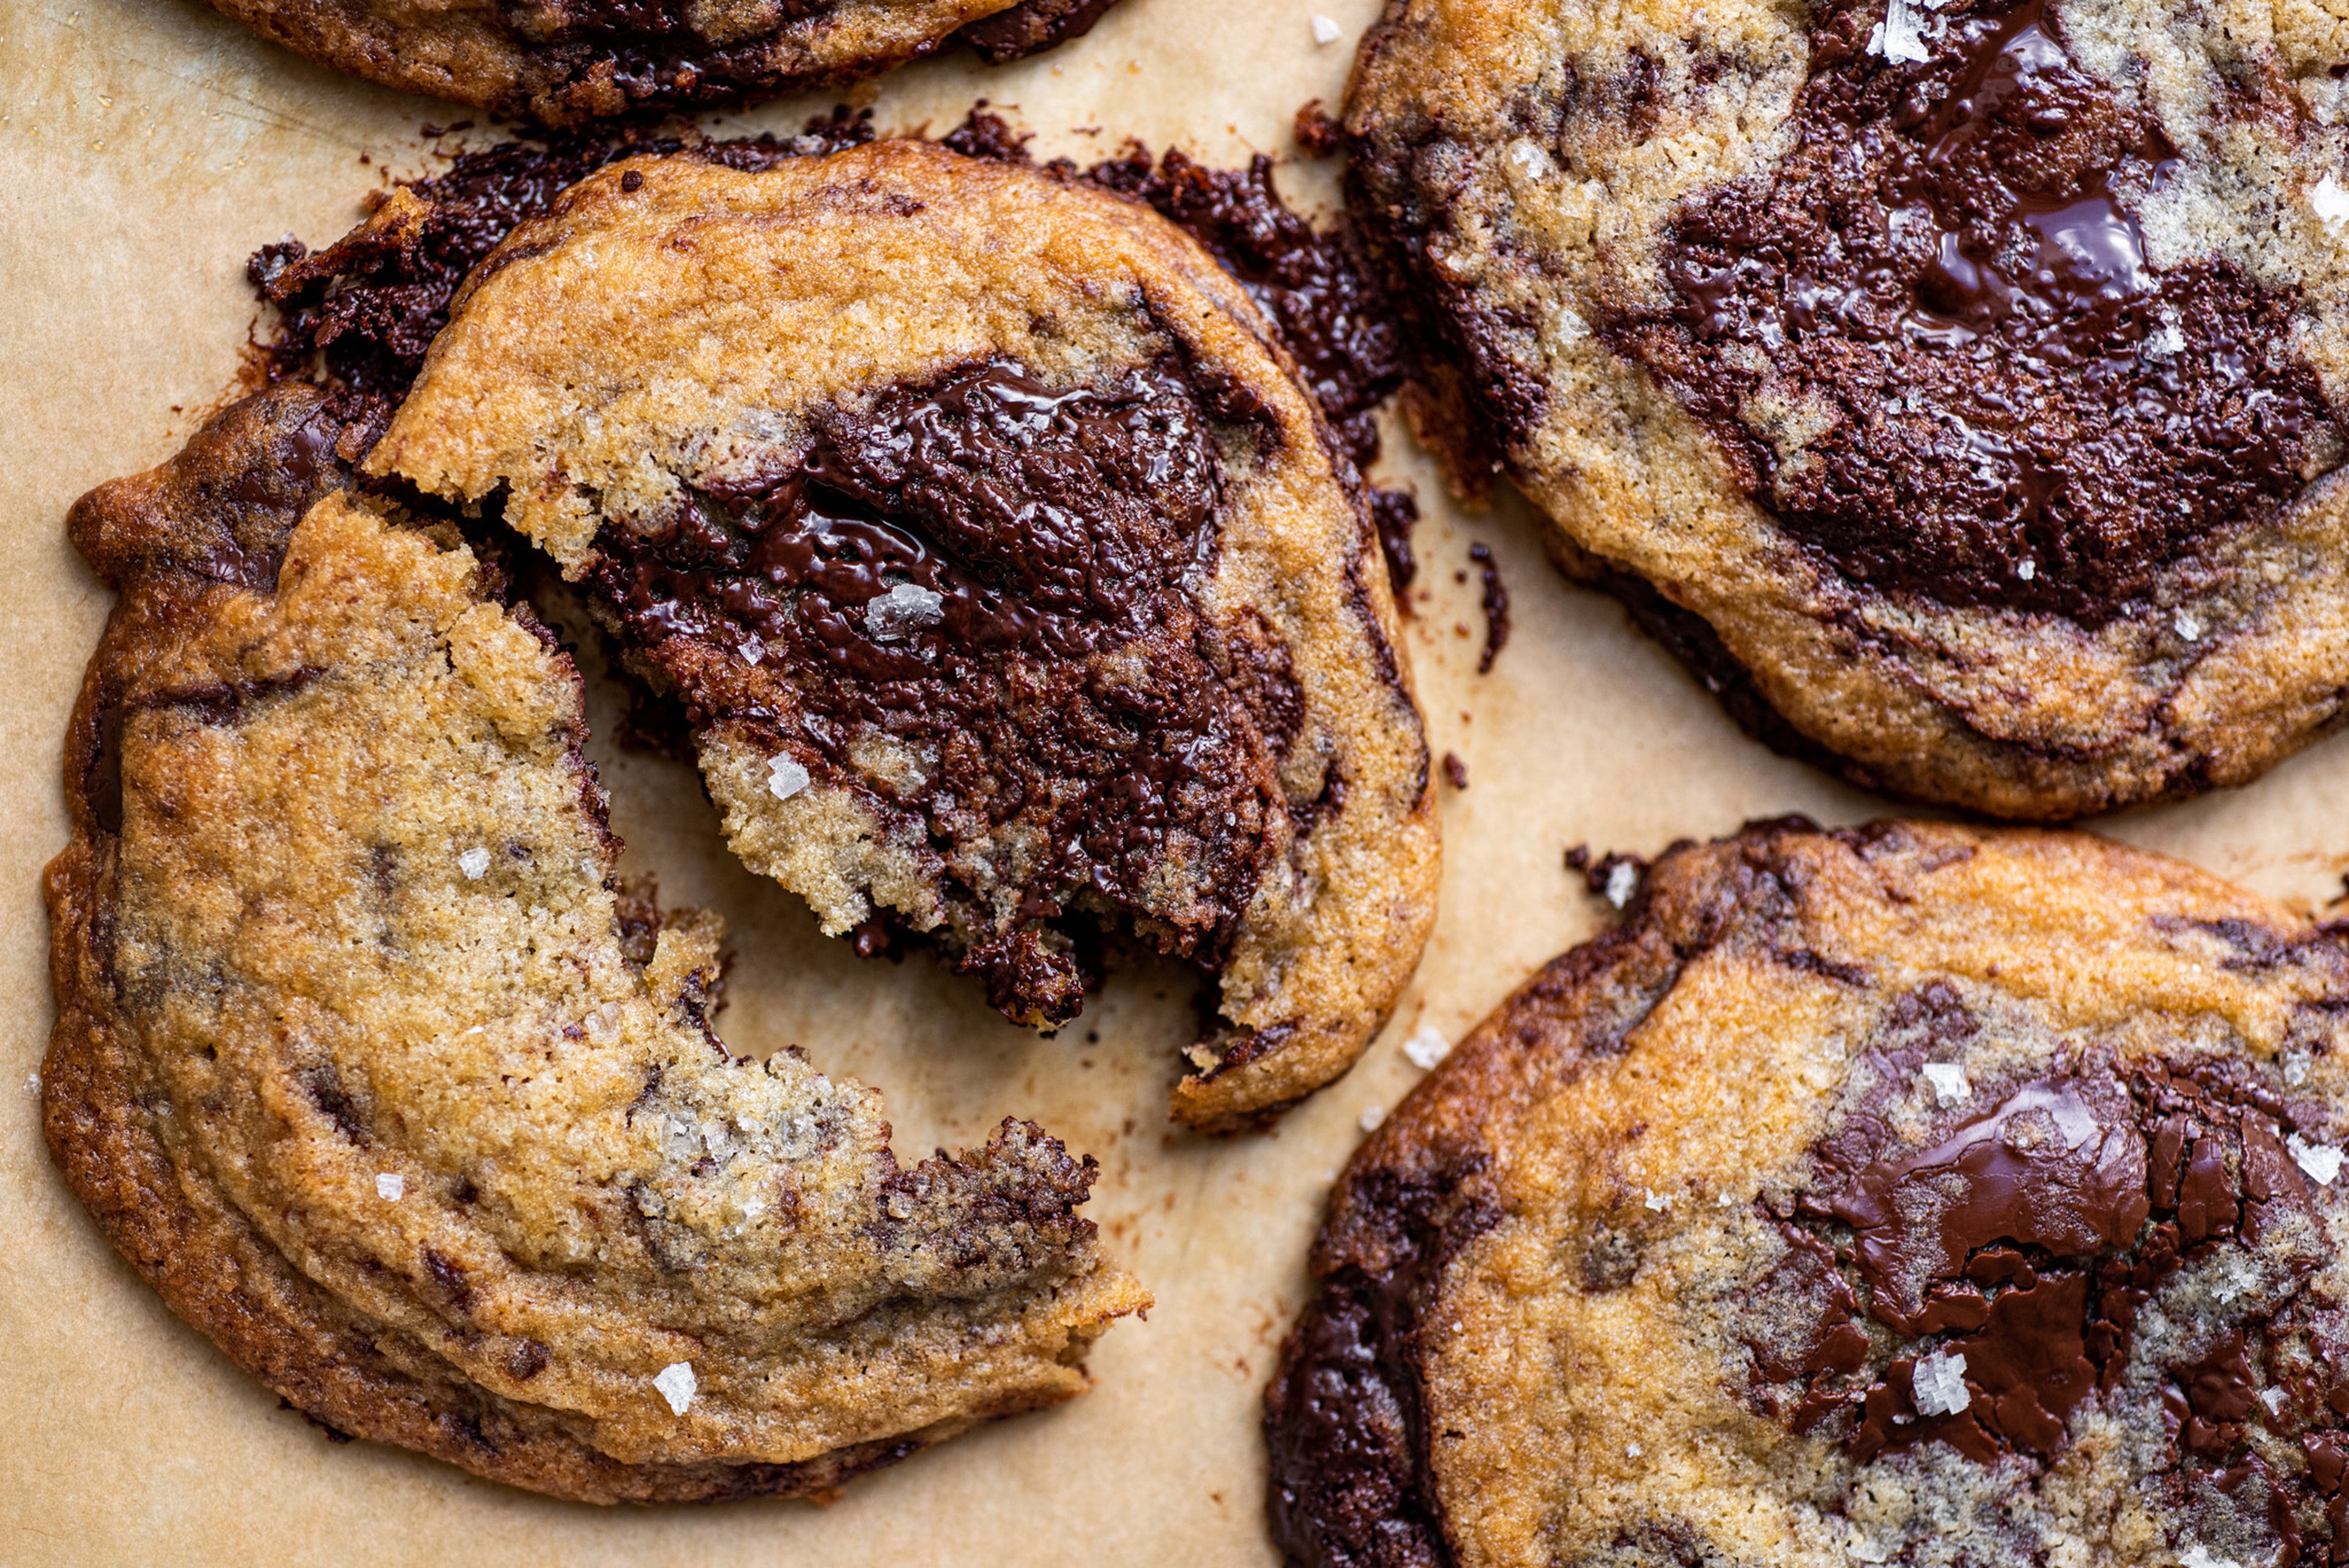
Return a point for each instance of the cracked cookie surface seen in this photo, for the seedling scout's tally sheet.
(1907, 1194)
(362, 1060)
(1959, 388)
(1004, 568)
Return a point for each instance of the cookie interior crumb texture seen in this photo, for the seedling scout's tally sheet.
(355, 1063)
(1958, 388)
(986, 499)
(1905, 1194)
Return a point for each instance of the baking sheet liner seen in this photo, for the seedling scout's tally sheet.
(146, 148)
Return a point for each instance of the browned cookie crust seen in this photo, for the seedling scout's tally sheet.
(362, 1063)
(1008, 575)
(1910, 1194)
(568, 61)
(1973, 375)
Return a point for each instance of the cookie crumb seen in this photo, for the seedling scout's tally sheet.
(676, 1385)
(2321, 1160)
(1455, 771)
(1326, 31)
(1372, 1116)
(785, 778)
(1951, 1086)
(474, 863)
(907, 607)
(1316, 133)
(1426, 1048)
(1938, 1384)
(390, 1186)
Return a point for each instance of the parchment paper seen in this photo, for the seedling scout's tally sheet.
(146, 147)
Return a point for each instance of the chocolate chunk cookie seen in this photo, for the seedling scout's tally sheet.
(1960, 386)
(1001, 562)
(568, 61)
(363, 1061)
(1910, 1194)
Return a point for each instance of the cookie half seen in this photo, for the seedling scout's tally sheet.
(568, 61)
(1910, 1194)
(361, 1061)
(1959, 387)
(1003, 566)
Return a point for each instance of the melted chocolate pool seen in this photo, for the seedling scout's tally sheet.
(967, 604)
(1932, 343)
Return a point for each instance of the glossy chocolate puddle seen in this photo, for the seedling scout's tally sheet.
(1931, 343)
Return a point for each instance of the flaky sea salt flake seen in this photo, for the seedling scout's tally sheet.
(1657, 1201)
(2330, 200)
(474, 863)
(1938, 1384)
(905, 608)
(1898, 37)
(2200, 1556)
(1426, 1047)
(1622, 883)
(1372, 1116)
(1951, 1086)
(2321, 1160)
(676, 1385)
(1325, 30)
(390, 1186)
(785, 778)
(2189, 625)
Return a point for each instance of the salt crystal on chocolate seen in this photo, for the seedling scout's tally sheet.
(2321, 1160)
(1938, 1384)
(905, 608)
(1951, 1086)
